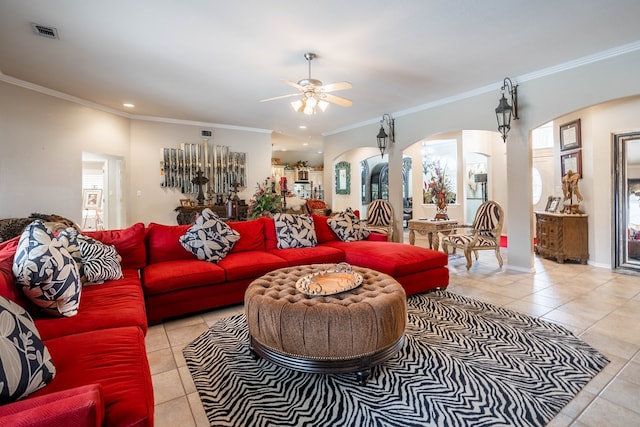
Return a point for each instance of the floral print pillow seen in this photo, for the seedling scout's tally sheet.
(47, 273)
(295, 231)
(348, 227)
(209, 238)
(26, 364)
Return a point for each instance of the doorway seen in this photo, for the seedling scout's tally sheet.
(627, 201)
(102, 195)
(476, 190)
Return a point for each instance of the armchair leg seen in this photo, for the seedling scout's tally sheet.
(499, 256)
(467, 255)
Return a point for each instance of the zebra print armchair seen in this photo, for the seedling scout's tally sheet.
(484, 233)
(380, 218)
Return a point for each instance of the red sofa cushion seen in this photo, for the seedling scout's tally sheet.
(377, 237)
(112, 304)
(251, 235)
(129, 242)
(398, 259)
(315, 255)
(270, 235)
(169, 276)
(324, 233)
(250, 264)
(163, 244)
(80, 406)
(8, 286)
(114, 358)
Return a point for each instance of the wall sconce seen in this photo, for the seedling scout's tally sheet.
(382, 135)
(504, 112)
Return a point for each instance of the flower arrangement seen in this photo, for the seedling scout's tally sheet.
(438, 187)
(265, 200)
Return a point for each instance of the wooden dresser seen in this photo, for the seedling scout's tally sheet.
(562, 236)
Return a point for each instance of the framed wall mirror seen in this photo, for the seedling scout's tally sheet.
(343, 178)
(626, 250)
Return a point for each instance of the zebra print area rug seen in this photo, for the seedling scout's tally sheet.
(464, 363)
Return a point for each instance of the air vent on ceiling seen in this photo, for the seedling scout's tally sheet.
(44, 31)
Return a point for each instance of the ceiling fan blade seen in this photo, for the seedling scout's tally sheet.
(280, 97)
(343, 102)
(332, 87)
(294, 84)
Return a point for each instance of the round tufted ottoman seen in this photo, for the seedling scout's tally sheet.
(346, 332)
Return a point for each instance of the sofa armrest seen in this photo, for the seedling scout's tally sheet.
(80, 406)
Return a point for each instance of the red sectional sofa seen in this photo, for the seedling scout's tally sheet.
(102, 372)
(175, 283)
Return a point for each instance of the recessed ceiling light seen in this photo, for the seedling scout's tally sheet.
(302, 126)
(305, 143)
(128, 105)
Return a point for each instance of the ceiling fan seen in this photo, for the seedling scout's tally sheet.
(314, 93)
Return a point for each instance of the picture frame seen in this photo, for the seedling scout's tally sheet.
(185, 203)
(92, 199)
(552, 204)
(570, 136)
(343, 178)
(571, 162)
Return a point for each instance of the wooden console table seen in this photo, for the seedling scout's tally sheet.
(562, 236)
(187, 214)
(430, 227)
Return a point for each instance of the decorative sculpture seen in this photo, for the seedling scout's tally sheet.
(200, 180)
(570, 189)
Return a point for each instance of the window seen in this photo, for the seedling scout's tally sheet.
(542, 137)
(440, 170)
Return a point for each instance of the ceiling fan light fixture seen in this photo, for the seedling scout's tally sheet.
(313, 94)
(297, 106)
(309, 110)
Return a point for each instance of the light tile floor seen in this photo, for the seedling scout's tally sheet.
(600, 306)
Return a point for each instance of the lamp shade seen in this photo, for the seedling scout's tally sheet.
(382, 140)
(503, 114)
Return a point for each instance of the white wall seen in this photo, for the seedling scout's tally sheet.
(542, 98)
(149, 202)
(598, 125)
(42, 139)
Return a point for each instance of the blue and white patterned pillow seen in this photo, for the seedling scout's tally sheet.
(26, 364)
(348, 227)
(69, 239)
(209, 238)
(295, 231)
(100, 261)
(47, 273)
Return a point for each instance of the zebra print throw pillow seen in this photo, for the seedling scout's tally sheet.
(295, 231)
(209, 238)
(46, 271)
(100, 261)
(26, 364)
(348, 227)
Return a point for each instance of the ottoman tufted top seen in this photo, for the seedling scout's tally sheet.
(345, 325)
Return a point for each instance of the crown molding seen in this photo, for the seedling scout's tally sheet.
(66, 97)
(580, 62)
